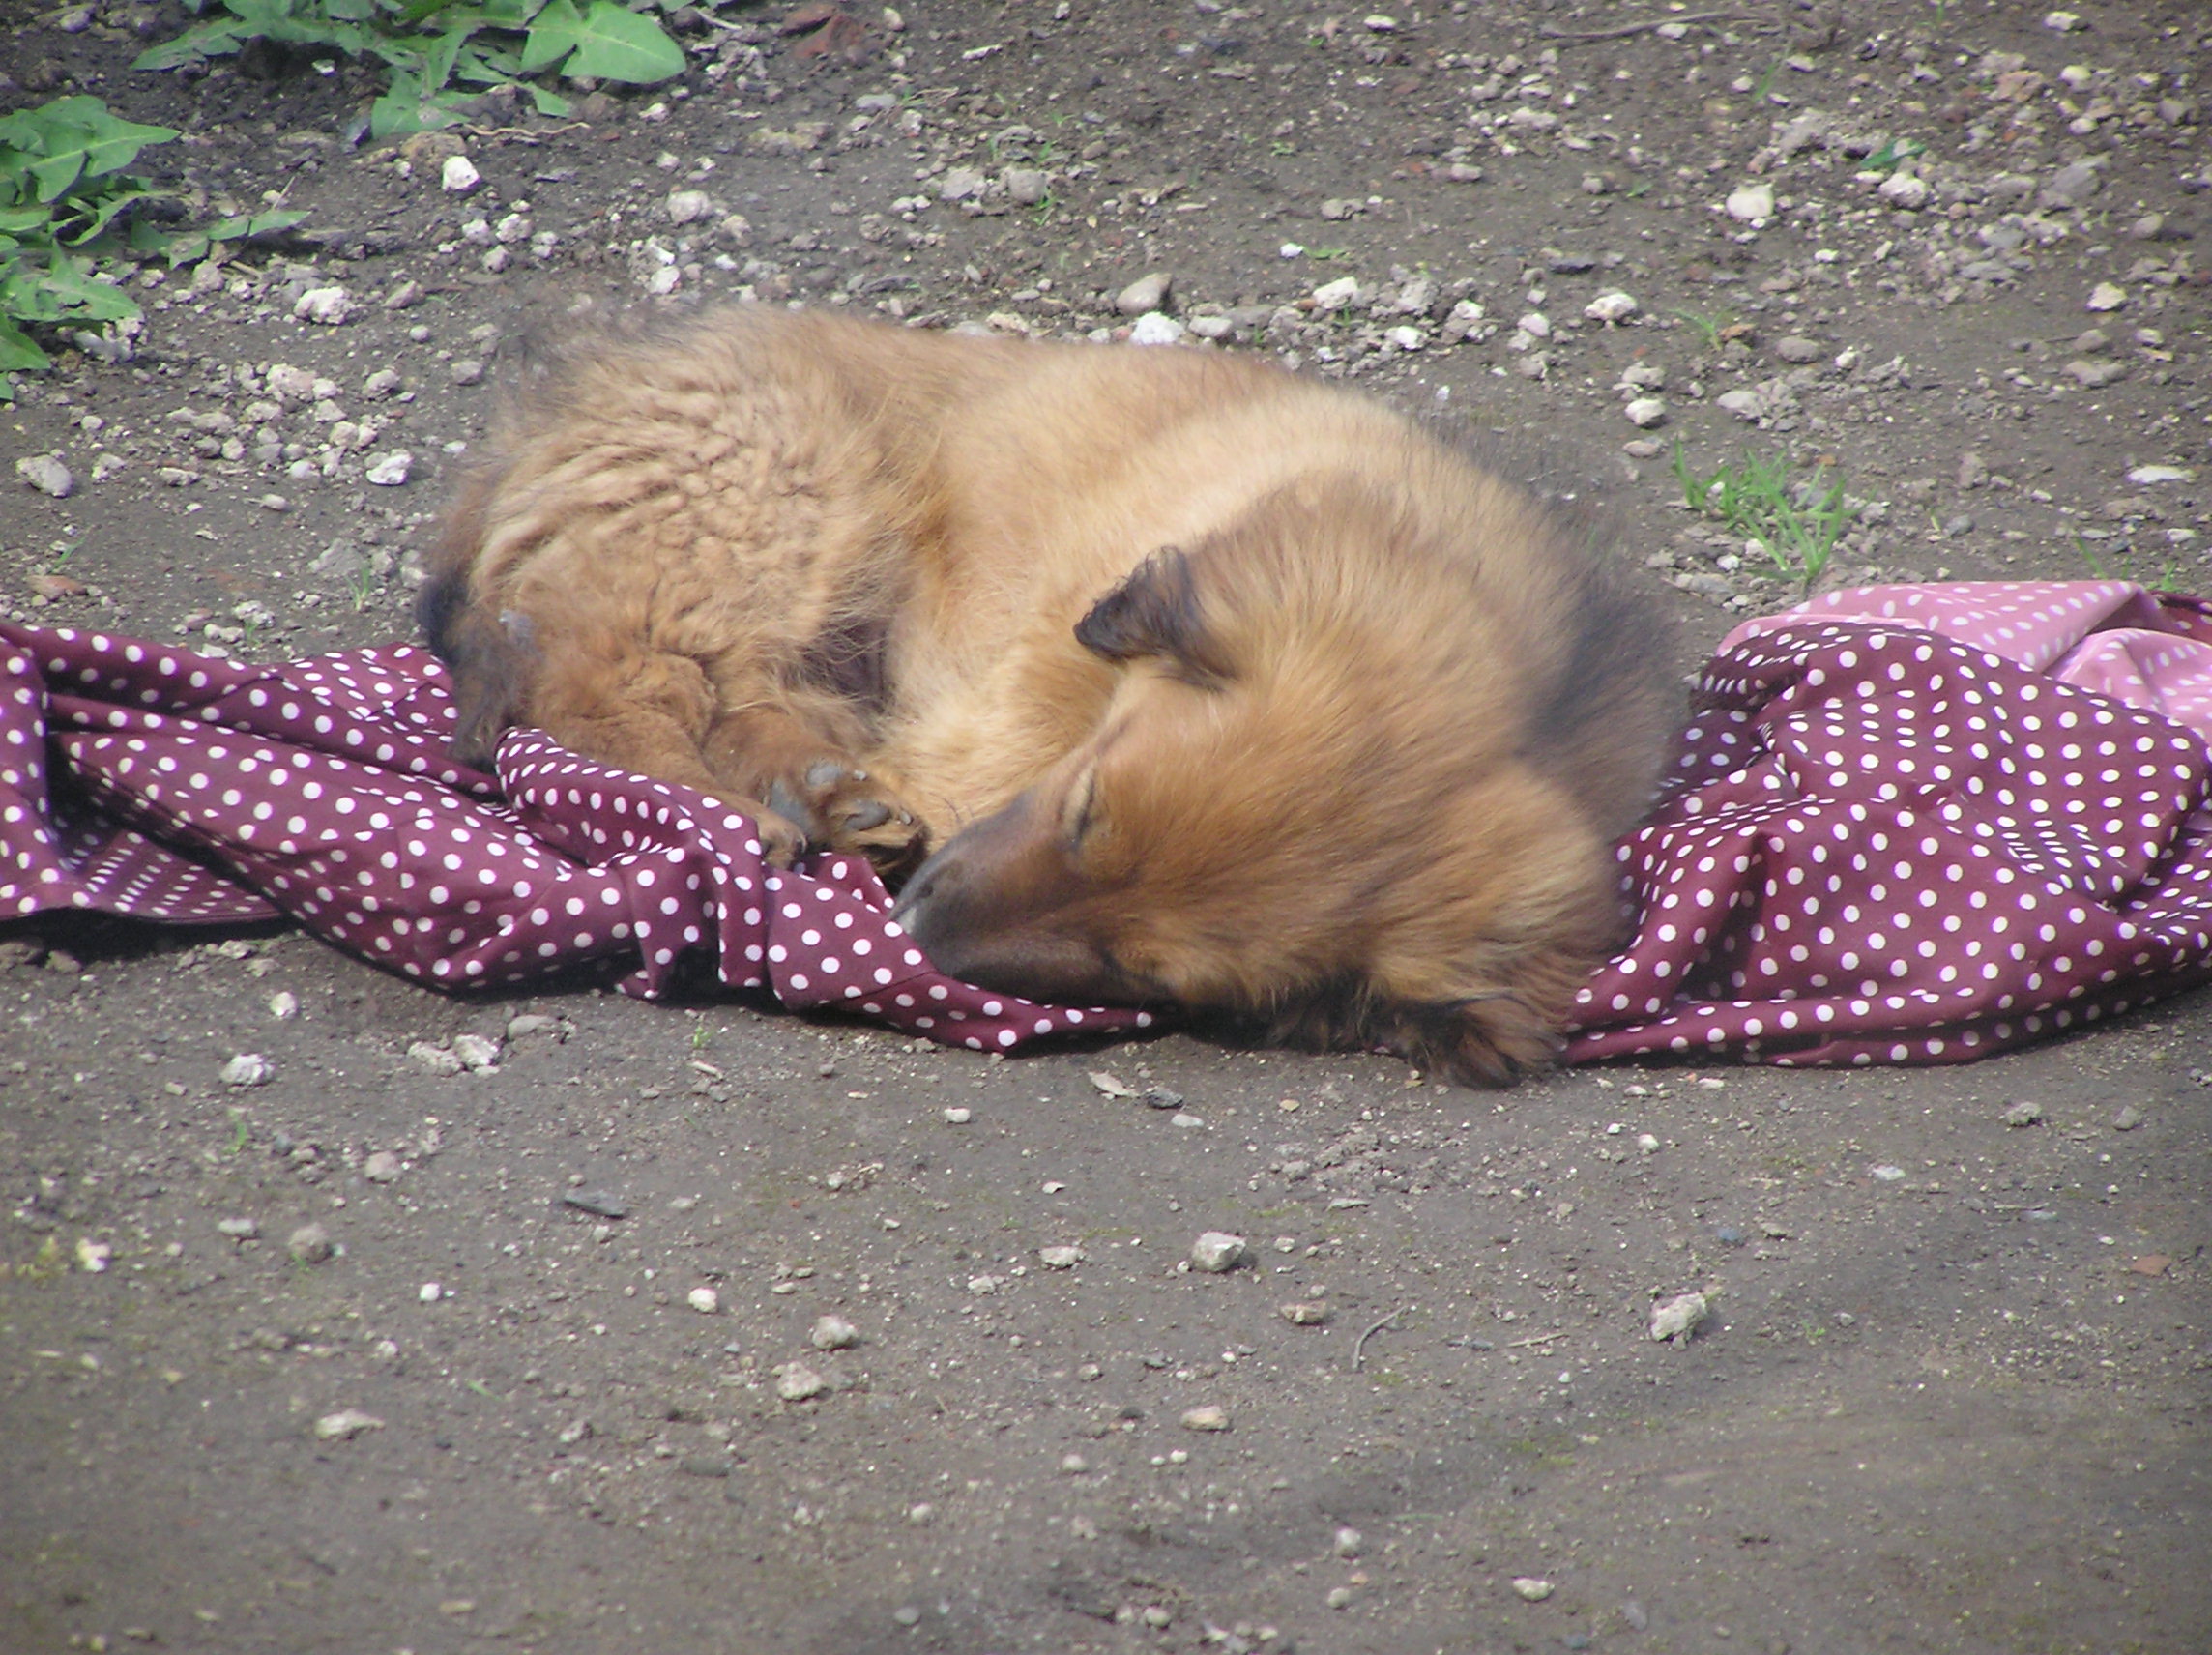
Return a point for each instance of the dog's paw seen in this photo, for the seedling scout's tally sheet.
(843, 808)
(782, 840)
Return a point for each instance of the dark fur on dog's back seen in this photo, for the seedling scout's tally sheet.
(1206, 685)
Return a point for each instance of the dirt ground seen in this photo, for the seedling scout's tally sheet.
(551, 1377)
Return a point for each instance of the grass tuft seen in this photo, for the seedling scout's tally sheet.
(1795, 518)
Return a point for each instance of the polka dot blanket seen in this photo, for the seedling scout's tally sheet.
(1905, 825)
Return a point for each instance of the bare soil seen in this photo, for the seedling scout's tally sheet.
(1952, 1394)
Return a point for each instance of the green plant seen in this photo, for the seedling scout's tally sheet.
(438, 54)
(66, 201)
(1710, 329)
(1796, 519)
(362, 588)
(1887, 158)
(2168, 577)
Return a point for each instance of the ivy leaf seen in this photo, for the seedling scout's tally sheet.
(606, 42)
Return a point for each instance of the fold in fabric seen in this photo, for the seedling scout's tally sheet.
(1905, 825)
(185, 789)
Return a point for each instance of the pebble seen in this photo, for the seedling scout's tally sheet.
(1060, 1258)
(331, 307)
(706, 1465)
(959, 1114)
(476, 1052)
(1211, 1416)
(534, 1023)
(390, 471)
(238, 1229)
(466, 371)
(1339, 1597)
(961, 183)
(1348, 1543)
(1646, 1142)
(1751, 203)
(248, 1069)
(1887, 1174)
(381, 1168)
(1338, 295)
(1905, 191)
(2108, 296)
(430, 1292)
(92, 1256)
(2071, 185)
(2023, 1115)
(1149, 292)
(1216, 1251)
(1744, 404)
(2144, 476)
(438, 1060)
(689, 206)
(1157, 327)
(1611, 307)
(597, 1203)
(1532, 1588)
(309, 1245)
(459, 175)
(1073, 1464)
(1026, 186)
(1305, 1312)
(1646, 412)
(1796, 348)
(795, 1382)
(2128, 1119)
(46, 473)
(705, 1300)
(284, 1006)
(2096, 375)
(1678, 1316)
(346, 1424)
(834, 1334)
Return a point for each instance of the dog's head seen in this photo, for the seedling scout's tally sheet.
(1308, 801)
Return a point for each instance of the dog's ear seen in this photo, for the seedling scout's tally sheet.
(1157, 611)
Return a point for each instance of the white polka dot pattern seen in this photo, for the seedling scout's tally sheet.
(202, 791)
(1920, 823)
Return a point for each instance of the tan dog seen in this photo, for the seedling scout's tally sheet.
(1207, 686)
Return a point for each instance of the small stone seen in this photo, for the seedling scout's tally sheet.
(2128, 1119)
(1338, 295)
(795, 1382)
(959, 1114)
(92, 1256)
(1646, 1142)
(1531, 1588)
(2071, 185)
(1073, 1464)
(2062, 22)
(1339, 1597)
(2151, 1264)
(438, 1060)
(705, 1300)
(2144, 476)
(1348, 1543)
(430, 1292)
(1026, 186)
(1406, 337)
(834, 1334)
(2147, 228)
(284, 1006)
(1646, 412)
(1796, 348)
(1149, 292)
(2023, 1115)
(1217, 1252)
(46, 473)
(248, 1069)
(921, 1516)
(535, 1023)
(1908, 192)
(1678, 1316)
(1305, 1312)
(706, 1465)
(346, 1424)
(388, 470)
(1887, 1174)
(238, 1229)
(1744, 404)
(1641, 448)
(1157, 327)
(597, 1203)
(961, 183)
(475, 1052)
(1208, 1417)
(906, 1615)
(458, 176)
(2108, 296)
(309, 1245)
(2096, 375)
(1060, 1258)
(331, 307)
(466, 370)
(689, 206)
(1611, 307)
(381, 1168)
(1751, 203)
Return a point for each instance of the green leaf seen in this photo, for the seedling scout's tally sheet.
(196, 44)
(18, 350)
(82, 297)
(553, 36)
(616, 44)
(76, 138)
(438, 59)
(105, 210)
(550, 104)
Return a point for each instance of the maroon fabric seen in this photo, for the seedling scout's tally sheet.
(198, 790)
(1892, 836)
(1896, 832)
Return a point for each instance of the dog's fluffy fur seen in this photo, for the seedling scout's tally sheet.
(1206, 685)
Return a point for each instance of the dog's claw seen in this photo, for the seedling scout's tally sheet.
(840, 810)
